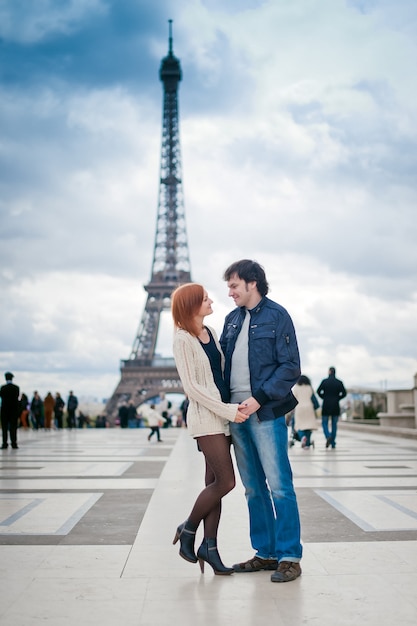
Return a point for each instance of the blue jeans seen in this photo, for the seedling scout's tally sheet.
(261, 450)
(327, 433)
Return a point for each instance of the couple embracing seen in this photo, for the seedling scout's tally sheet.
(239, 390)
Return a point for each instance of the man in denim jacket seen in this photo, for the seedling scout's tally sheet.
(262, 365)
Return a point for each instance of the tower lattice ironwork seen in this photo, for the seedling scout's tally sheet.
(144, 374)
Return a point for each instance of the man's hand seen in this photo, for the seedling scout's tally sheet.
(249, 406)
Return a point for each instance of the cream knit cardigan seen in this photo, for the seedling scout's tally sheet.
(206, 414)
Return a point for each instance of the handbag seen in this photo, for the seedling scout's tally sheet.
(315, 401)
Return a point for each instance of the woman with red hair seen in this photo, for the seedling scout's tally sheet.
(200, 364)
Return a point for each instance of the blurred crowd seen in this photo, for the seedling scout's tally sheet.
(130, 416)
(53, 412)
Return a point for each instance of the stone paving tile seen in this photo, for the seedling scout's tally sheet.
(50, 499)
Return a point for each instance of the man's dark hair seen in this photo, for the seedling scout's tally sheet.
(249, 271)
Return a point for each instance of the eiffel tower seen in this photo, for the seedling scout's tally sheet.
(144, 374)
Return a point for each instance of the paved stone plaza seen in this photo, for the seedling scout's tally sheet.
(87, 519)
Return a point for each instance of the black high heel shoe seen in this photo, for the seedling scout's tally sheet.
(187, 538)
(208, 553)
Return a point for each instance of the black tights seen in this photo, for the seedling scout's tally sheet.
(219, 480)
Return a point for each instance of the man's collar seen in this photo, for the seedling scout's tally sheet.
(255, 308)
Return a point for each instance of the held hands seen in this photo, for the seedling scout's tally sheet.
(240, 417)
(245, 409)
(249, 406)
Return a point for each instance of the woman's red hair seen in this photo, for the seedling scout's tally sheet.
(186, 302)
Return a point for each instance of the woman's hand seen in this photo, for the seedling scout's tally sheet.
(240, 417)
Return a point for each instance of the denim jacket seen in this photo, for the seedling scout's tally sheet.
(274, 360)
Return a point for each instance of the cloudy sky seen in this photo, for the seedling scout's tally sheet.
(299, 149)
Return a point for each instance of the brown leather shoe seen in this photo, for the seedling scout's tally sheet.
(256, 564)
(286, 571)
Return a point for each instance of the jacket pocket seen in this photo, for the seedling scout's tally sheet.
(263, 338)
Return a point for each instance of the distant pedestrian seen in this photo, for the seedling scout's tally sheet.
(83, 419)
(163, 407)
(24, 407)
(59, 411)
(155, 420)
(36, 411)
(184, 408)
(304, 413)
(9, 394)
(331, 390)
(135, 416)
(101, 421)
(48, 409)
(72, 404)
(123, 415)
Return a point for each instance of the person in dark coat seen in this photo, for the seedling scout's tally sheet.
(134, 419)
(124, 415)
(36, 410)
(72, 404)
(24, 411)
(331, 390)
(59, 410)
(9, 394)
